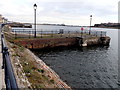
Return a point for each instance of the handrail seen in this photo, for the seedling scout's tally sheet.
(10, 79)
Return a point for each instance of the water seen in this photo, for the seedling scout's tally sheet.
(88, 67)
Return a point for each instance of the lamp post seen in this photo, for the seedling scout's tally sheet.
(35, 7)
(90, 24)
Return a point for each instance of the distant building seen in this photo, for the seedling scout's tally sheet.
(2, 19)
(5, 20)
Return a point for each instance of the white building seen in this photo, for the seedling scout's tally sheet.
(2, 19)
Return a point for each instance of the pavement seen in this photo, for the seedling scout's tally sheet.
(2, 82)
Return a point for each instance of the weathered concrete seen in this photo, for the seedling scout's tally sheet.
(96, 41)
(46, 43)
(57, 42)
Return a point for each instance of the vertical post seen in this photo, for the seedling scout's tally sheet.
(69, 33)
(41, 33)
(82, 34)
(51, 33)
(96, 33)
(35, 7)
(61, 34)
(101, 33)
(29, 34)
(15, 35)
(90, 24)
(35, 24)
(76, 33)
(82, 31)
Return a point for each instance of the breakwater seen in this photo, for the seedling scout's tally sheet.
(59, 42)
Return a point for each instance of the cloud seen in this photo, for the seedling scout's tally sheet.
(61, 11)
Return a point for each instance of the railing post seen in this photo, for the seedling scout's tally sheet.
(68, 33)
(101, 33)
(61, 35)
(29, 34)
(51, 33)
(96, 33)
(41, 33)
(15, 35)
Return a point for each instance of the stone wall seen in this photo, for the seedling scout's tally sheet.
(46, 43)
(58, 42)
(96, 41)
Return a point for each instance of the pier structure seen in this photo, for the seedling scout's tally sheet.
(50, 39)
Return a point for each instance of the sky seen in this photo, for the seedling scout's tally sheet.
(70, 12)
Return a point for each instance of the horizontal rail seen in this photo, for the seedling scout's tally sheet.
(56, 31)
(10, 79)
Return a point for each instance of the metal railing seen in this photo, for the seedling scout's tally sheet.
(10, 79)
(55, 33)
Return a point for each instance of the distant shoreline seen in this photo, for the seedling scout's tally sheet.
(60, 25)
(108, 27)
(29, 25)
(78, 26)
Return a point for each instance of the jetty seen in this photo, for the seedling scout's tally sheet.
(51, 39)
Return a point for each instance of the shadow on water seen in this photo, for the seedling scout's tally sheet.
(69, 48)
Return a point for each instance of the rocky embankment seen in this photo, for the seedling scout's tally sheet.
(32, 72)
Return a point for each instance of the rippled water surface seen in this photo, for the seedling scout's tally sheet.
(93, 67)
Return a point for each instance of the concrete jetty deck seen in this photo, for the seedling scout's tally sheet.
(2, 82)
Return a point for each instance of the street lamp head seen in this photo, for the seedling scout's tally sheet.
(35, 6)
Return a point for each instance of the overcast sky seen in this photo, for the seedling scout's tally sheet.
(72, 12)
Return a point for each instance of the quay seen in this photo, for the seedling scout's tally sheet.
(51, 39)
(63, 42)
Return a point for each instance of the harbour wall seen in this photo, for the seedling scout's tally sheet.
(40, 43)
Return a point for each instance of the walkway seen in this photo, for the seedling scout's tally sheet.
(2, 85)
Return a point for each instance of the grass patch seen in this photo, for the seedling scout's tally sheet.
(52, 81)
(41, 70)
